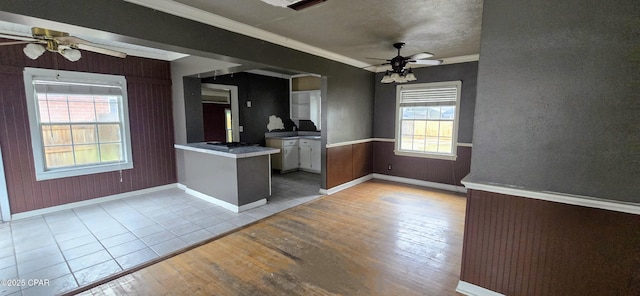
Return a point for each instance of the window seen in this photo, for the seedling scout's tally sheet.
(427, 119)
(227, 125)
(79, 123)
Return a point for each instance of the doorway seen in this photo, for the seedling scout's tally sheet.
(220, 113)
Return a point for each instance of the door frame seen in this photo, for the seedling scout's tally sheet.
(5, 210)
(235, 109)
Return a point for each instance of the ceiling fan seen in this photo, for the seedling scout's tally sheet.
(55, 41)
(398, 72)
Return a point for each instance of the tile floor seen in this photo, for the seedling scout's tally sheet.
(75, 247)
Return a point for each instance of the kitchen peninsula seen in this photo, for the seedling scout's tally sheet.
(236, 177)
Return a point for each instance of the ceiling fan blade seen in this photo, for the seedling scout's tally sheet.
(101, 50)
(18, 37)
(376, 66)
(80, 43)
(421, 56)
(427, 62)
(377, 59)
(14, 42)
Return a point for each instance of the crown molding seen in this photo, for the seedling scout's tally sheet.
(198, 15)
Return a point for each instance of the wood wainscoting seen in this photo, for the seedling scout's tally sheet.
(522, 246)
(346, 163)
(419, 168)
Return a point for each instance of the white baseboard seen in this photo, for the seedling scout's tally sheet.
(423, 183)
(473, 290)
(222, 203)
(346, 185)
(93, 201)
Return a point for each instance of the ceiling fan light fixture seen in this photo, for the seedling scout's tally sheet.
(386, 78)
(71, 54)
(410, 76)
(33, 51)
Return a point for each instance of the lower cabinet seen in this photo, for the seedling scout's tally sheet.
(303, 154)
(288, 158)
(310, 155)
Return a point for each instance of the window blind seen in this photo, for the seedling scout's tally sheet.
(66, 88)
(428, 96)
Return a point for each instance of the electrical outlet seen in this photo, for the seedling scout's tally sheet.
(389, 167)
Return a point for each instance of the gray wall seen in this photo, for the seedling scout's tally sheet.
(557, 106)
(268, 96)
(385, 98)
(193, 109)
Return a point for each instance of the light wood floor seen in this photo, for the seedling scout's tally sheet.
(377, 238)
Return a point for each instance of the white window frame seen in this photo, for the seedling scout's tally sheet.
(42, 173)
(456, 121)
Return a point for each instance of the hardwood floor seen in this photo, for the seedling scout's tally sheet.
(377, 238)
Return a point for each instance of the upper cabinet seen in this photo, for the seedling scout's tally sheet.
(305, 99)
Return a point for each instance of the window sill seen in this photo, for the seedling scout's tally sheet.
(74, 172)
(426, 155)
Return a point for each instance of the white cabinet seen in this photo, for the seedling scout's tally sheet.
(288, 158)
(310, 155)
(306, 105)
(303, 154)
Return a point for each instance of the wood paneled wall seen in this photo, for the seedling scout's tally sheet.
(426, 169)
(522, 246)
(349, 162)
(149, 93)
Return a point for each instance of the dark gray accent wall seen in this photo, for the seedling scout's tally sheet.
(558, 106)
(268, 96)
(350, 90)
(193, 109)
(385, 98)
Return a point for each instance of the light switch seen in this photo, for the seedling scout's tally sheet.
(248, 104)
(241, 129)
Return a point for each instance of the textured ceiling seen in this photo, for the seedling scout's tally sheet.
(365, 28)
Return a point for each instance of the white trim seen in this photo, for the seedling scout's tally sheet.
(269, 73)
(222, 203)
(366, 178)
(461, 59)
(348, 143)
(473, 290)
(383, 140)
(456, 120)
(198, 15)
(347, 185)
(422, 183)
(5, 209)
(459, 144)
(578, 200)
(93, 201)
(37, 143)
